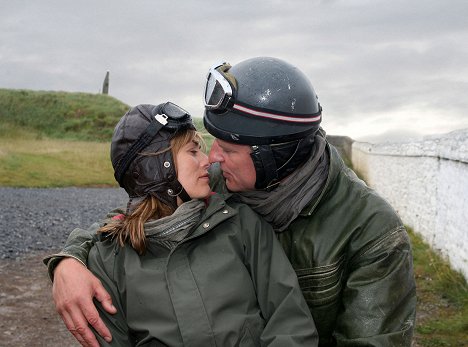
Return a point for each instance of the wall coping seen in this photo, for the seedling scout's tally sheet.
(450, 146)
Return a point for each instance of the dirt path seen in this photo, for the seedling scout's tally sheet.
(27, 314)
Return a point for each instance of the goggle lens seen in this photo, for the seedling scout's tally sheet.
(217, 90)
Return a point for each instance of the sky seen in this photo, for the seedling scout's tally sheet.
(383, 70)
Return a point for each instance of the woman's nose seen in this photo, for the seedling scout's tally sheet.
(204, 162)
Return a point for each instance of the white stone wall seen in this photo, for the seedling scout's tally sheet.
(427, 183)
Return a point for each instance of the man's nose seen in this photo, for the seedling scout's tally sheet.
(215, 153)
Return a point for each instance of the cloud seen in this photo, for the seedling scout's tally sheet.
(369, 61)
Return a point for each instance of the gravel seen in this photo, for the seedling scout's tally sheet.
(34, 219)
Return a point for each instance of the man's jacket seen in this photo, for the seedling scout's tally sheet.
(353, 259)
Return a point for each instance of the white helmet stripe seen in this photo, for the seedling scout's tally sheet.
(276, 116)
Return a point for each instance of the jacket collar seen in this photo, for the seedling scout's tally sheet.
(216, 212)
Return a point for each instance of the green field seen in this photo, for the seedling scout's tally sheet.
(58, 139)
(50, 139)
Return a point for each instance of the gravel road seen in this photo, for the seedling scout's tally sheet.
(41, 219)
(34, 223)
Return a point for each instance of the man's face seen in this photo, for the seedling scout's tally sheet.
(236, 163)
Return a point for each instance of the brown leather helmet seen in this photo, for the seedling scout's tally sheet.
(141, 133)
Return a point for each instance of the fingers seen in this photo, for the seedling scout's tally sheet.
(93, 318)
(104, 298)
(79, 329)
(73, 290)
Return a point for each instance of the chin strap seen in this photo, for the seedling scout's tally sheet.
(274, 162)
(176, 190)
(265, 167)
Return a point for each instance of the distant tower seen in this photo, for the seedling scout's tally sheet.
(105, 85)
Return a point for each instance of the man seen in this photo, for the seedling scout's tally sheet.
(350, 250)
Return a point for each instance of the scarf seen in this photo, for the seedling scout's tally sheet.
(282, 205)
(169, 231)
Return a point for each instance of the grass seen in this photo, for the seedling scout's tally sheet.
(29, 159)
(58, 139)
(30, 162)
(77, 116)
(442, 311)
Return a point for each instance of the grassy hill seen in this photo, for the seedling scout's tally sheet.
(60, 115)
(58, 139)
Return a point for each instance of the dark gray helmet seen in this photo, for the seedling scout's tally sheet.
(143, 131)
(266, 103)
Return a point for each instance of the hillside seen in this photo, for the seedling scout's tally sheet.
(58, 139)
(61, 115)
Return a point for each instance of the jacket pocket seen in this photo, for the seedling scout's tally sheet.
(321, 285)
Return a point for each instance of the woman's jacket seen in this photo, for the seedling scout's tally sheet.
(228, 284)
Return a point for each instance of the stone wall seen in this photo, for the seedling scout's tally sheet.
(426, 181)
(344, 146)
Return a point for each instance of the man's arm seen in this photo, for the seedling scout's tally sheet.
(379, 297)
(77, 246)
(74, 288)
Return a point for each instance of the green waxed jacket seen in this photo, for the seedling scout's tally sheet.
(353, 259)
(228, 284)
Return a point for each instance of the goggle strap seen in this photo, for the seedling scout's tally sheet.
(230, 78)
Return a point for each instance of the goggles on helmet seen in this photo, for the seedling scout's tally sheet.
(218, 90)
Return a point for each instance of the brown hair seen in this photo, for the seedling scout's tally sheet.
(131, 228)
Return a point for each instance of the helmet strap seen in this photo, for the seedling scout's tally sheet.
(177, 190)
(274, 162)
(265, 167)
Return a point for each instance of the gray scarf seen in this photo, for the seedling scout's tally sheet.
(282, 205)
(170, 230)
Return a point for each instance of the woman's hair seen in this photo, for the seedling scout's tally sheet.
(131, 228)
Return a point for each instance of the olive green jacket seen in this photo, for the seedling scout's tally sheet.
(353, 259)
(228, 284)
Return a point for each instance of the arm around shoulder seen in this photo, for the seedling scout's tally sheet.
(77, 246)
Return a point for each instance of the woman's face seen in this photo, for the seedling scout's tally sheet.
(192, 170)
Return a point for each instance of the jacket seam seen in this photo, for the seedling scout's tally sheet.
(376, 243)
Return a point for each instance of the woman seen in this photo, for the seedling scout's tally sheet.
(184, 267)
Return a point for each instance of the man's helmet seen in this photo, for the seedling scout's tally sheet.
(142, 163)
(268, 104)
